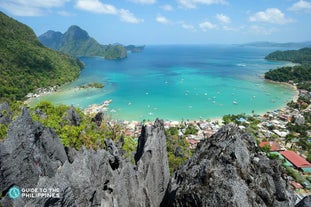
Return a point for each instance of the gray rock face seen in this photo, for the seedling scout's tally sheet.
(305, 202)
(73, 117)
(226, 170)
(5, 113)
(33, 157)
(29, 151)
(98, 118)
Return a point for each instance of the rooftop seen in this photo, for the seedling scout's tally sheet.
(297, 160)
(274, 146)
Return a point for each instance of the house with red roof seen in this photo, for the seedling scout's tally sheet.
(274, 146)
(193, 143)
(298, 161)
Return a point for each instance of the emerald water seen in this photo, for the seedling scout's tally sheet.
(179, 82)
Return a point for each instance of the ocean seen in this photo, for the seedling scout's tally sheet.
(175, 82)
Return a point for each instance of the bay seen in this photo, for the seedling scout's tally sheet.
(175, 82)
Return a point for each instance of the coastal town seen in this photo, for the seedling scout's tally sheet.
(273, 131)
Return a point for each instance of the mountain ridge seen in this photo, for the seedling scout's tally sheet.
(77, 42)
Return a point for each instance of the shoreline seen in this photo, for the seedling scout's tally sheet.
(294, 87)
(93, 108)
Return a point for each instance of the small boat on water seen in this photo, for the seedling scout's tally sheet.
(234, 102)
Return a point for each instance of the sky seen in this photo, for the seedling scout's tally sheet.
(170, 21)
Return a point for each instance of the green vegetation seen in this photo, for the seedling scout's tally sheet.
(129, 147)
(191, 130)
(178, 151)
(298, 177)
(266, 148)
(25, 64)
(85, 134)
(3, 131)
(233, 118)
(300, 74)
(114, 52)
(92, 85)
(76, 41)
(301, 56)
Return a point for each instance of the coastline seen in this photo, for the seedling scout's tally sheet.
(104, 106)
(294, 87)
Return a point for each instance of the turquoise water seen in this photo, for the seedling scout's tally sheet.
(179, 82)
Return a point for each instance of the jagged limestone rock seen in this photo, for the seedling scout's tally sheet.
(33, 157)
(305, 202)
(72, 116)
(29, 151)
(227, 170)
(98, 118)
(5, 113)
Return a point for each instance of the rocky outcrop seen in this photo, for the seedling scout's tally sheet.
(227, 170)
(30, 151)
(33, 157)
(98, 118)
(5, 113)
(72, 116)
(305, 202)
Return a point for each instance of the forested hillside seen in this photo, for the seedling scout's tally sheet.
(300, 74)
(25, 64)
(297, 56)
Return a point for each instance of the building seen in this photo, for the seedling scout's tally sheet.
(298, 161)
(274, 146)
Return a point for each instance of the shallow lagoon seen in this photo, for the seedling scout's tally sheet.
(179, 82)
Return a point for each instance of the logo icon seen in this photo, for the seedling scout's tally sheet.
(14, 192)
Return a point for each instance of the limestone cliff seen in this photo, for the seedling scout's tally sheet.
(33, 157)
(227, 170)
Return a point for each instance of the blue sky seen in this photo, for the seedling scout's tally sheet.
(170, 21)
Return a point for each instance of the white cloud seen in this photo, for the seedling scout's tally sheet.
(127, 16)
(187, 26)
(301, 5)
(207, 25)
(144, 1)
(30, 8)
(167, 7)
(191, 4)
(161, 19)
(96, 6)
(270, 15)
(223, 18)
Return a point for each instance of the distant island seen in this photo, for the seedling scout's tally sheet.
(76, 41)
(91, 85)
(135, 49)
(275, 44)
